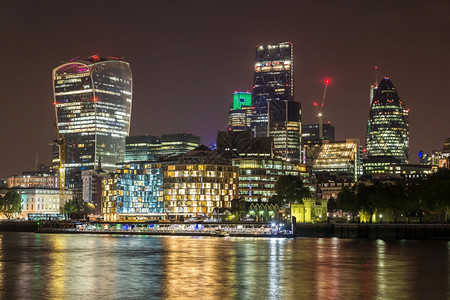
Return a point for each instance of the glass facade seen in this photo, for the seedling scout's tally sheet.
(92, 99)
(258, 174)
(175, 144)
(142, 148)
(276, 112)
(340, 158)
(387, 138)
(197, 189)
(135, 189)
(146, 189)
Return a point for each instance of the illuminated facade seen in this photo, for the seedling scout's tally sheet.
(387, 138)
(444, 158)
(142, 148)
(35, 179)
(240, 114)
(188, 185)
(196, 189)
(276, 112)
(133, 190)
(180, 143)
(92, 99)
(311, 210)
(341, 158)
(258, 174)
(43, 202)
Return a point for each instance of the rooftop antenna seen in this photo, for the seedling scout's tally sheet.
(36, 165)
(376, 75)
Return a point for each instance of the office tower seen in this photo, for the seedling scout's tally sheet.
(310, 132)
(142, 148)
(241, 111)
(387, 138)
(259, 172)
(92, 99)
(231, 144)
(339, 159)
(180, 143)
(276, 112)
(311, 140)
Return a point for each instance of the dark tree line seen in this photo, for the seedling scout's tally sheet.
(395, 199)
(289, 190)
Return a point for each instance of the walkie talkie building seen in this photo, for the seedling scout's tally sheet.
(92, 99)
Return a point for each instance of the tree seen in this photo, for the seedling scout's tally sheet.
(331, 204)
(347, 201)
(88, 208)
(72, 206)
(290, 189)
(435, 192)
(11, 203)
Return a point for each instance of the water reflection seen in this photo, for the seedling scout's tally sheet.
(116, 267)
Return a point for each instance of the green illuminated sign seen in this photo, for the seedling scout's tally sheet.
(241, 99)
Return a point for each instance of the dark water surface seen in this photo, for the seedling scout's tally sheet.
(63, 266)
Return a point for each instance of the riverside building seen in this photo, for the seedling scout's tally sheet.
(188, 185)
(258, 173)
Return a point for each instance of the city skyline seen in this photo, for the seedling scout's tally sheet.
(186, 64)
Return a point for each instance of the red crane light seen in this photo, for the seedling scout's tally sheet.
(327, 81)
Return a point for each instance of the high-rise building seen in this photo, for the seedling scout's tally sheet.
(180, 143)
(240, 114)
(387, 138)
(276, 113)
(310, 132)
(92, 99)
(142, 148)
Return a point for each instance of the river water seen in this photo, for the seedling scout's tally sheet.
(72, 266)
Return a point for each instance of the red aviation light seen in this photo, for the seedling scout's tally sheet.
(315, 104)
(327, 81)
(95, 57)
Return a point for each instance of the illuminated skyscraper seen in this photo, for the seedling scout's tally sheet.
(387, 138)
(276, 112)
(92, 99)
(241, 112)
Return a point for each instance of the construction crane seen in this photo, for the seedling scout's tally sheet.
(61, 143)
(320, 108)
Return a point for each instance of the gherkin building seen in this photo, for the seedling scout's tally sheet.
(387, 138)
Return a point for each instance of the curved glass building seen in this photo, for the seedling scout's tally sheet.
(387, 138)
(92, 99)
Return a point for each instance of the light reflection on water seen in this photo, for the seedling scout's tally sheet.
(131, 267)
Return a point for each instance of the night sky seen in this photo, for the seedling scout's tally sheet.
(188, 57)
